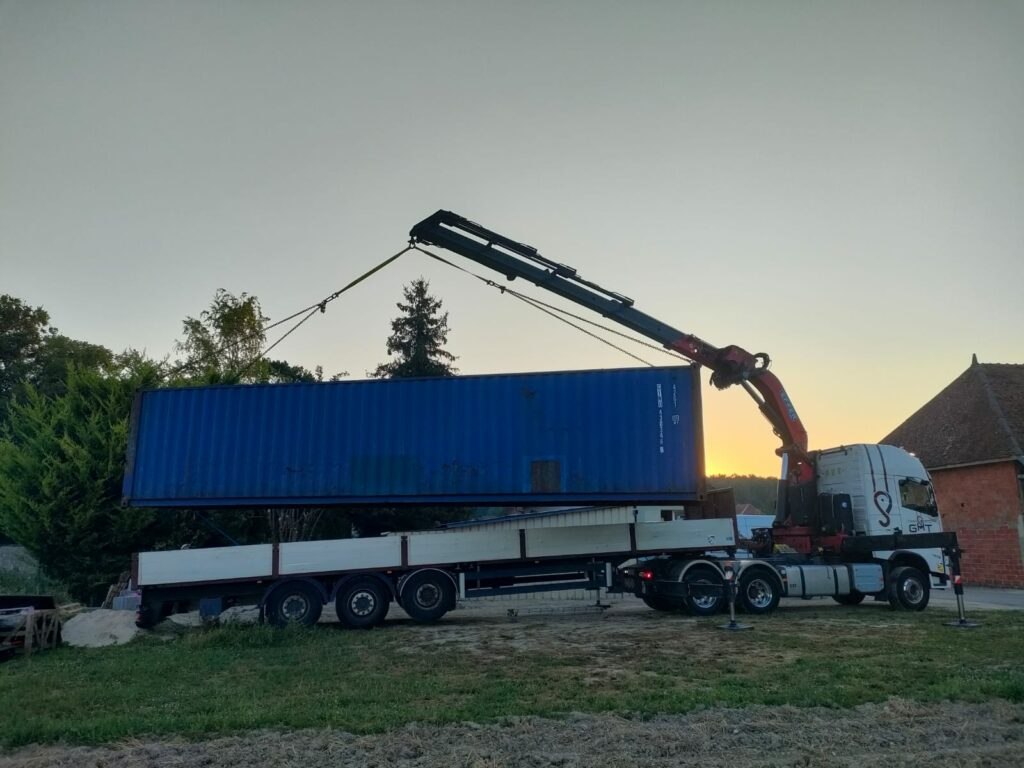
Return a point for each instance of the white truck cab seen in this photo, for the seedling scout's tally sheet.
(891, 492)
(873, 504)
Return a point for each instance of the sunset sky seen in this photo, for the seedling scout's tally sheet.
(840, 185)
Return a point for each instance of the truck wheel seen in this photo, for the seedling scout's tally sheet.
(854, 598)
(148, 614)
(759, 592)
(428, 596)
(701, 605)
(362, 603)
(294, 602)
(909, 589)
(659, 603)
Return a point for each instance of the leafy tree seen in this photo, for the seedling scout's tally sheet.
(224, 345)
(22, 329)
(34, 352)
(224, 339)
(60, 352)
(418, 337)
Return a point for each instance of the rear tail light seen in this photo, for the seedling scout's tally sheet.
(647, 575)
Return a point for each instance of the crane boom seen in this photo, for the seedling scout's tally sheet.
(729, 365)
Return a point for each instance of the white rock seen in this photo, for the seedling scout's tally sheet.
(240, 614)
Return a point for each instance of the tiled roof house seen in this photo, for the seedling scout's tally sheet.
(970, 437)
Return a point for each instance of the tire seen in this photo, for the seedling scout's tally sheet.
(659, 603)
(148, 614)
(294, 602)
(854, 598)
(362, 603)
(759, 592)
(909, 589)
(701, 605)
(428, 596)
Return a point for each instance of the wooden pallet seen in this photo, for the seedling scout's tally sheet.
(67, 610)
(28, 631)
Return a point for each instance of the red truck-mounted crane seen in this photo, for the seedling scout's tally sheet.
(729, 366)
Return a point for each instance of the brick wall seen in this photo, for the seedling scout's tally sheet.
(983, 505)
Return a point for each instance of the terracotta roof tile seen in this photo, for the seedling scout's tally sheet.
(979, 417)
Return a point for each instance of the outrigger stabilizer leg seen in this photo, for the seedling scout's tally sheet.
(953, 552)
(730, 594)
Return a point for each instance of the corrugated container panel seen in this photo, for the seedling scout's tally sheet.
(629, 435)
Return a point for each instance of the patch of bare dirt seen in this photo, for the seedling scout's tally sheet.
(896, 734)
(599, 638)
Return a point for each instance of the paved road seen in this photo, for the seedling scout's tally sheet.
(983, 598)
(976, 598)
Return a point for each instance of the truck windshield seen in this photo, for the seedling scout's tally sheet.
(917, 495)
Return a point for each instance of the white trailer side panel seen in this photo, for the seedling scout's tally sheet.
(186, 566)
(463, 547)
(341, 554)
(577, 540)
(709, 534)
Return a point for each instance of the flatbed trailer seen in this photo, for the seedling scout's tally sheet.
(425, 573)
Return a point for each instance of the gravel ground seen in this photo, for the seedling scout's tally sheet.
(895, 734)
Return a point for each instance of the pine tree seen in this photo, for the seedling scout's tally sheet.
(417, 342)
(418, 337)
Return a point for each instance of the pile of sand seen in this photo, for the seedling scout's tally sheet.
(94, 629)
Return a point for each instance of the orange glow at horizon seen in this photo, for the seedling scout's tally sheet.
(836, 409)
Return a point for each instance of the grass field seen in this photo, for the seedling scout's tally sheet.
(479, 668)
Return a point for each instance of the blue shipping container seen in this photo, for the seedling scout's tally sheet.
(608, 436)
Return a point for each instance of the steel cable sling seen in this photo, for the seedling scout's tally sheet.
(551, 309)
(306, 312)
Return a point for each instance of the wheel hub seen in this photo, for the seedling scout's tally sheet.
(759, 593)
(913, 591)
(294, 607)
(362, 603)
(705, 602)
(427, 595)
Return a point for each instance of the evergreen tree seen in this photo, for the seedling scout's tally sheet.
(418, 337)
(61, 465)
(416, 343)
